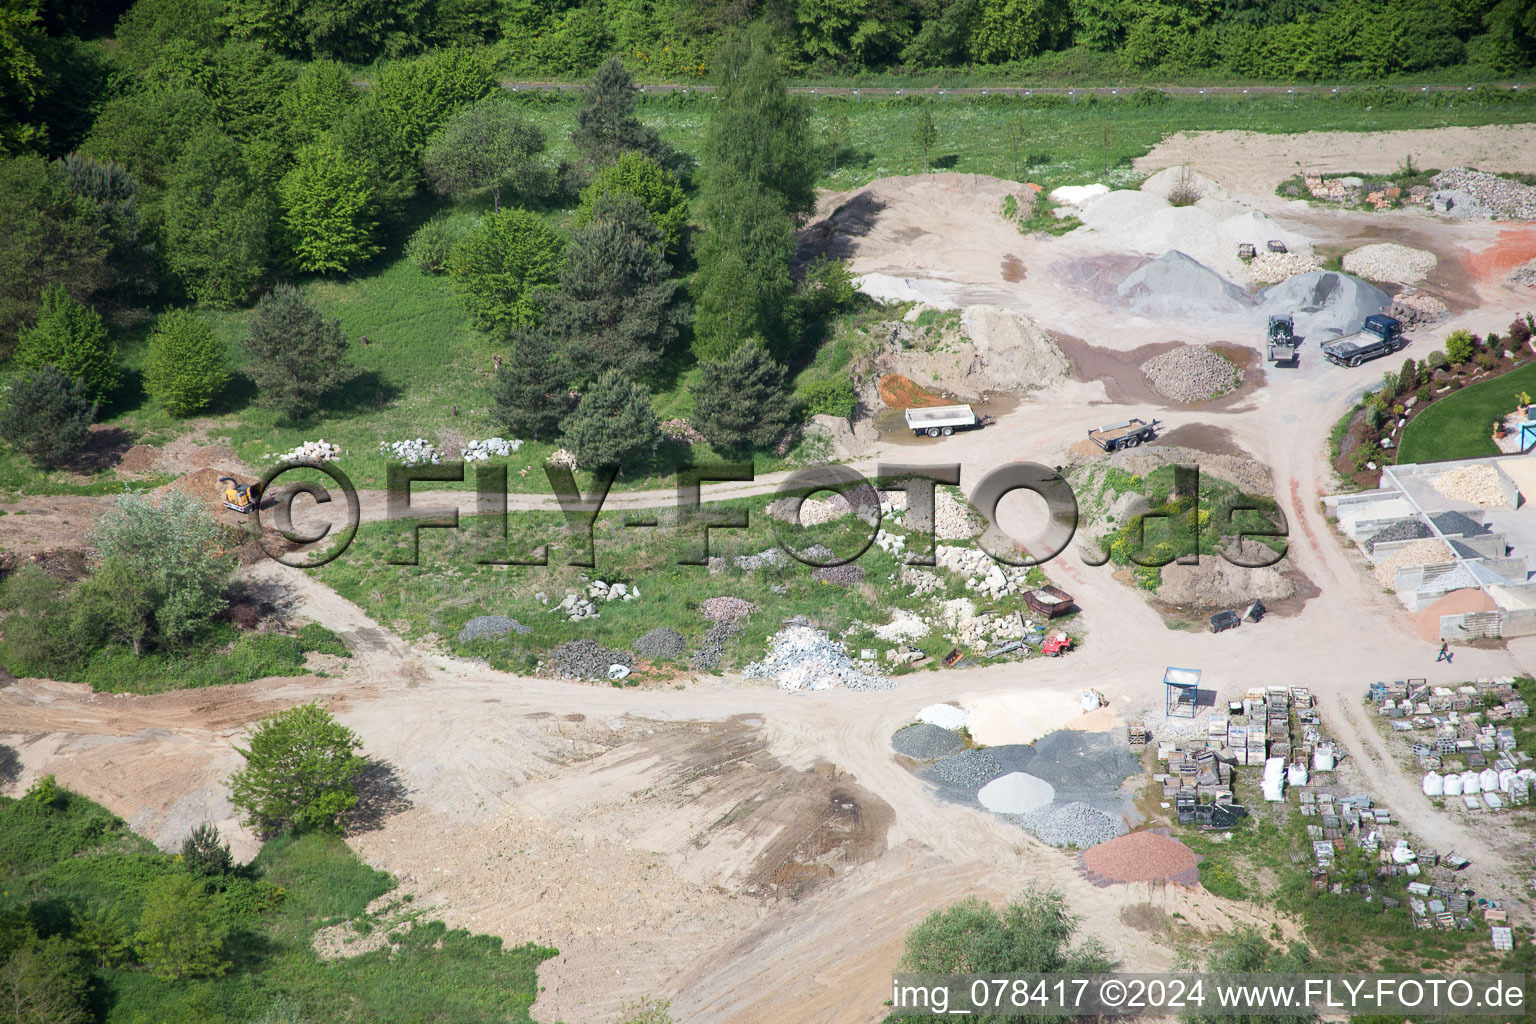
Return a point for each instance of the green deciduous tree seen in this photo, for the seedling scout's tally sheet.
(739, 402)
(148, 25)
(330, 209)
(170, 556)
(146, 131)
(1014, 29)
(853, 33)
(1032, 934)
(530, 393)
(616, 308)
(73, 338)
(637, 175)
(300, 772)
(21, 39)
(46, 416)
(350, 30)
(313, 101)
(1244, 951)
(44, 981)
(606, 126)
(365, 134)
(504, 265)
(180, 934)
(925, 133)
(743, 285)
(614, 424)
(298, 357)
(488, 145)
(186, 366)
(759, 134)
(218, 223)
(418, 96)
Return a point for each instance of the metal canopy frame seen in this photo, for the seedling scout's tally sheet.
(1181, 690)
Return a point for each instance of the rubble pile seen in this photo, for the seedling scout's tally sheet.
(726, 609)
(805, 658)
(1502, 198)
(1191, 373)
(309, 451)
(1418, 309)
(416, 452)
(712, 648)
(1388, 261)
(981, 571)
(479, 451)
(1274, 267)
(586, 659)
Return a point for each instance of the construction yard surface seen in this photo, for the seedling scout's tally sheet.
(751, 831)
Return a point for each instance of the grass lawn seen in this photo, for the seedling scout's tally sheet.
(72, 862)
(1460, 425)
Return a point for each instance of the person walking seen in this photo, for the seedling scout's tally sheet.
(1445, 652)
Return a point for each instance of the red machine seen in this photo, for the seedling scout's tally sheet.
(1056, 643)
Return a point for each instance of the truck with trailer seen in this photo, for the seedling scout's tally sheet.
(942, 420)
(1115, 436)
(1379, 335)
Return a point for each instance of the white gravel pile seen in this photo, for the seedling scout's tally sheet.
(817, 511)
(1477, 484)
(1388, 261)
(1016, 793)
(945, 716)
(904, 625)
(1191, 373)
(805, 658)
(1273, 267)
(309, 451)
(1502, 198)
(411, 453)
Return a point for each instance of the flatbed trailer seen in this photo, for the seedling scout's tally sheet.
(942, 419)
(1115, 436)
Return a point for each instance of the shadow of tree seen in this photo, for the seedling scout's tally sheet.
(946, 162)
(10, 766)
(104, 449)
(381, 794)
(833, 236)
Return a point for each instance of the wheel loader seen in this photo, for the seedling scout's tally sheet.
(240, 497)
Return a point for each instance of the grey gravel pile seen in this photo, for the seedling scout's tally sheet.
(924, 742)
(586, 659)
(726, 609)
(712, 648)
(489, 627)
(841, 575)
(1326, 304)
(970, 769)
(1083, 765)
(1191, 373)
(763, 559)
(1074, 824)
(660, 643)
(1502, 198)
(1455, 523)
(1408, 529)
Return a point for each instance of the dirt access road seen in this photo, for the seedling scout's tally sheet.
(654, 836)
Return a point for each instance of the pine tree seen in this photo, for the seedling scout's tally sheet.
(615, 309)
(186, 365)
(739, 402)
(614, 424)
(330, 210)
(743, 285)
(297, 356)
(73, 338)
(529, 393)
(46, 416)
(606, 127)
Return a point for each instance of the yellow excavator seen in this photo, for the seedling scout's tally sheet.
(240, 497)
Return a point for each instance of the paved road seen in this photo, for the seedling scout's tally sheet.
(518, 85)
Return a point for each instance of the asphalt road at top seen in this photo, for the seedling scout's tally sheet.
(1020, 90)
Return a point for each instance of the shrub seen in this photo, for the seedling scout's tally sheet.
(1437, 360)
(1486, 360)
(431, 246)
(1425, 394)
(1458, 346)
(300, 772)
(830, 396)
(185, 367)
(1519, 331)
(178, 935)
(635, 174)
(46, 416)
(204, 855)
(1365, 454)
(503, 265)
(1184, 192)
(73, 338)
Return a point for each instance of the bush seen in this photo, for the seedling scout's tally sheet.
(831, 396)
(503, 265)
(635, 174)
(46, 416)
(1458, 346)
(1519, 331)
(1366, 453)
(1437, 360)
(204, 855)
(300, 772)
(431, 247)
(185, 367)
(73, 338)
(1425, 394)
(178, 935)
(1486, 360)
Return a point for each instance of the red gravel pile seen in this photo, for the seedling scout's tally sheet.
(1141, 857)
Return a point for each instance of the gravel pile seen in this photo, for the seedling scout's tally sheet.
(1477, 484)
(726, 609)
(761, 560)
(1084, 765)
(925, 742)
(842, 575)
(969, 769)
(586, 659)
(1504, 199)
(1418, 309)
(1455, 523)
(945, 716)
(905, 625)
(1408, 529)
(1525, 273)
(1326, 304)
(1191, 373)
(816, 511)
(1388, 261)
(1016, 793)
(1075, 824)
(712, 648)
(489, 627)
(660, 643)
(1274, 267)
(1142, 857)
(1420, 552)
(805, 658)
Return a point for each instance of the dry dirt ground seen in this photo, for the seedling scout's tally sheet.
(754, 854)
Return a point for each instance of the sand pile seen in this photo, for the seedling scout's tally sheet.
(1457, 602)
(1477, 484)
(1214, 583)
(1420, 552)
(1388, 261)
(1142, 857)
(1013, 351)
(1326, 304)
